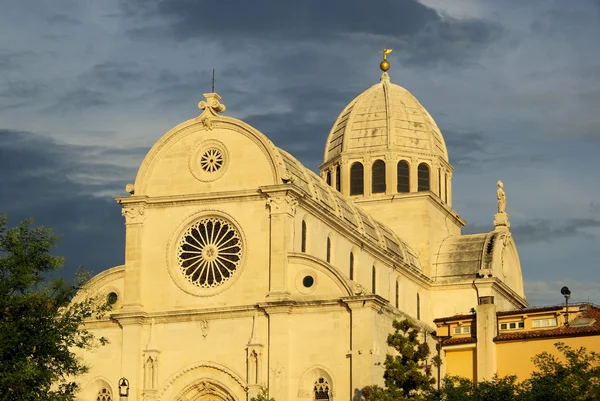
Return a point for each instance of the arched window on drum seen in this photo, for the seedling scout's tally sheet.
(423, 177)
(403, 175)
(357, 179)
(378, 177)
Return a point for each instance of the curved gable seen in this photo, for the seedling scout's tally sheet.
(175, 165)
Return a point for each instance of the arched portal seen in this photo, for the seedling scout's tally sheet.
(205, 390)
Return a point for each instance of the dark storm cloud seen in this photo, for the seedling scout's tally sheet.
(13, 60)
(63, 20)
(418, 33)
(545, 230)
(476, 150)
(79, 99)
(38, 181)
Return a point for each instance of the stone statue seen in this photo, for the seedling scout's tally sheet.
(501, 195)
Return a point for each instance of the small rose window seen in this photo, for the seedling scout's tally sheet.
(211, 160)
(210, 252)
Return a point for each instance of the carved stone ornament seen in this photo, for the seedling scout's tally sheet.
(358, 289)
(282, 204)
(130, 188)
(134, 214)
(212, 107)
(204, 327)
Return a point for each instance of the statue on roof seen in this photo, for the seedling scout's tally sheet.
(501, 195)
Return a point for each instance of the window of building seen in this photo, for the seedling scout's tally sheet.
(423, 177)
(403, 176)
(440, 182)
(373, 280)
(338, 178)
(303, 247)
(418, 307)
(512, 325)
(397, 294)
(104, 395)
(357, 179)
(378, 177)
(446, 188)
(351, 266)
(462, 330)
(321, 389)
(538, 323)
(328, 250)
(329, 178)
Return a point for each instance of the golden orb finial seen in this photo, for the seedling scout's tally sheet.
(385, 65)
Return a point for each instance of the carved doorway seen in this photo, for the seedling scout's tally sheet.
(205, 390)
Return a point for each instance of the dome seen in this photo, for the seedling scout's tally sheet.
(385, 117)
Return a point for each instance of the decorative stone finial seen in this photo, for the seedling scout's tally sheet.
(501, 218)
(501, 195)
(130, 188)
(212, 107)
(385, 65)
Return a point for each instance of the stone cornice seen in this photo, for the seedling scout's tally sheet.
(189, 199)
(492, 282)
(433, 200)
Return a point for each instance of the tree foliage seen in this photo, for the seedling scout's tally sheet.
(39, 325)
(263, 396)
(407, 374)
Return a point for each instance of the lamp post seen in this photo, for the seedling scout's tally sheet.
(123, 389)
(567, 294)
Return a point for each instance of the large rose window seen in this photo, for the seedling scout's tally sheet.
(210, 252)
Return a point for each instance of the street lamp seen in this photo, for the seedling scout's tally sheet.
(567, 294)
(123, 389)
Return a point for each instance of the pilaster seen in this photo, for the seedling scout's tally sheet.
(282, 206)
(134, 214)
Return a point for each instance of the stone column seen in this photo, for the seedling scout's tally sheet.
(486, 331)
(134, 219)
(283, 208)
(280, 347)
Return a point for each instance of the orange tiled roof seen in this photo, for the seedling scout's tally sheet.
(458, 341)
(455, 317)
(590, 312)
(530, 310)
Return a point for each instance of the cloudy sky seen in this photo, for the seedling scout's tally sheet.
(86, 88)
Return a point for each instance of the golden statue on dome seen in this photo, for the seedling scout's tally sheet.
(385, 65)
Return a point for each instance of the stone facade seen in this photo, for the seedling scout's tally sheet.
(243, 269)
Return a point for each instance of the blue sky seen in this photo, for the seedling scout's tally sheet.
(86, 88)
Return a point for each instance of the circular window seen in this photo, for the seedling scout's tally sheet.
(111, 298)
(308, 281)
(210, 252)
(211, 160)
(208, 160)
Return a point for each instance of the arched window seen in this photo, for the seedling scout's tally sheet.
(423, 177)
(397, 294)
(357, 179)
(303, 248)
(373, 280)
(446, 188)
(338, 178)
(351, 266)
(328, 178)
(328, 250)
(104, 395)
(378, 177)
(403, 176)
(418, 307)
(321, 389)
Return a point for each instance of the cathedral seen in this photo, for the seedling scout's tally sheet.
(244, 270)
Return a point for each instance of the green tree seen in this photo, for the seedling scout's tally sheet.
(407, 374)
(456, 388)
(39, 325)
(263, 396)
(575, 376)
